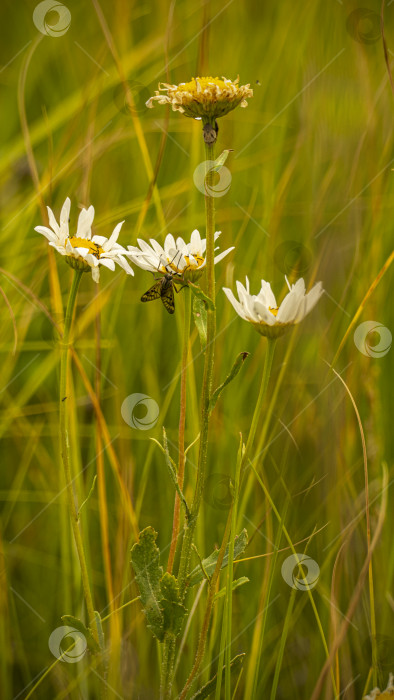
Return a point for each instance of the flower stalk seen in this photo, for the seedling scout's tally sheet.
(182, 421)
(208, 368)
(65, 449)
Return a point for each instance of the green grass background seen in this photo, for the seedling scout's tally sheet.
(312, 162)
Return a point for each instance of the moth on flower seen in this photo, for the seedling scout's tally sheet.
(82, 250)
(262, 311)
(177, 261)
(203, 97)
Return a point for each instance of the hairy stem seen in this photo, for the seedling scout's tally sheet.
(182, 420)
(65, 449)
(208, 373)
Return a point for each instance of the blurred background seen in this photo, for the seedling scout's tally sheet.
(311, 194)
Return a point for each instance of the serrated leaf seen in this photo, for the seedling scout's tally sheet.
(240, 543)
(240, 359)
(200, 319)
(145, 558)
(209, 688)
(197, 291)
(173, 610)
(236, 584)
(75, 622)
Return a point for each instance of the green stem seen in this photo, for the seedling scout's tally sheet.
(65, 448)
(207, 376)
(167, 666)
(230, 569)
(182, 420)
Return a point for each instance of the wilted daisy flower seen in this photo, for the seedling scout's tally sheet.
(82, 250)
(186, 260)
(203, 97)
(263, 312)
(388, 693)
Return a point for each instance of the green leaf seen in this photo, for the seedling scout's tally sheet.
(145, 558)
(173, 610)
(238, 582)
(240, 543)
(200, 319)
(100, 630)
(220, 160)
(75, 622)
(172, 470)
(207, 690)
(240, 359)
(197, 291)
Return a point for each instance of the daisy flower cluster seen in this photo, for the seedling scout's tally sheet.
(186, 260)
(82, 250)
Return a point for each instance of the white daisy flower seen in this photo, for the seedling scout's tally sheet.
(263, 312)
(82, 250)
(185, 260)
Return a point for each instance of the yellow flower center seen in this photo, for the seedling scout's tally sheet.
(273, 311)
(93, 248)
(189, 266)
(197, 85)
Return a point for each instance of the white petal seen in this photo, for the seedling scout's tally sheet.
(107, 262)
(267, 294)
(289, 307)
(99, 239)
(83, 252)
(113, 237)
(220, 257)
(64, 218)
(52, 222)
(48, 233)
(264, 314)
(235, 303)
(96, 274)
(85, 221)
(169, 242)
(122, 262)
(156, 246)
(195, 243)
(313, 297)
